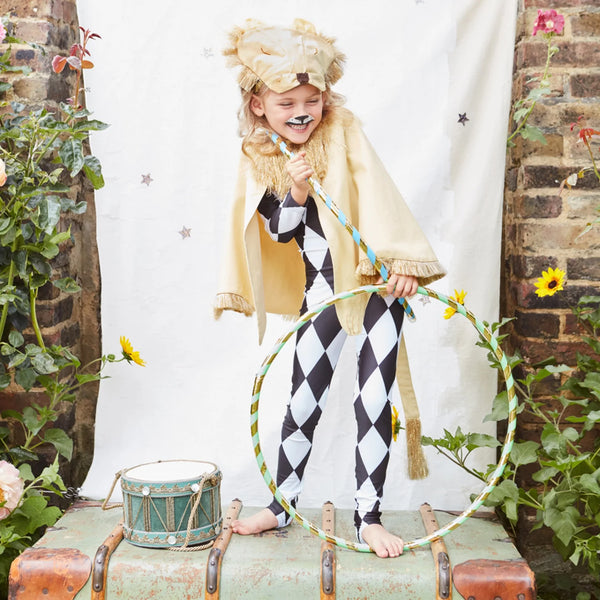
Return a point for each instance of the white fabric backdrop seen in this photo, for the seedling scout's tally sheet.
(160, 81)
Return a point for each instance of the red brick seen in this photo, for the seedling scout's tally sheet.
(32, 88)
(563, 352)
(585, 24)
(585, 85)
(536, 324)
(550, 176)
(584, 268)
(571, 54)
(31, 8)
(540, 207)
(34, 31)
(557, 4)
(527, 266)
(580, 205)
(50, 314)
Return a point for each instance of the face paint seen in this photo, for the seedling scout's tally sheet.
(302, 120)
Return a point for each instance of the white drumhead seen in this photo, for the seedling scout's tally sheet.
(169, 470)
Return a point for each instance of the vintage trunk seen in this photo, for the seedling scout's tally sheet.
(68, 562)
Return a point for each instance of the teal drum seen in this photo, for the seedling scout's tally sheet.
(171, 503)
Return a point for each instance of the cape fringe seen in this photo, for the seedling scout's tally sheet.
(231, 302)
(426, 272)
(417, 464)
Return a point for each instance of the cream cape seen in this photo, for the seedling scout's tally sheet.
(263, 276)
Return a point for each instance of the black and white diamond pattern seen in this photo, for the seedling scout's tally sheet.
(318, 347)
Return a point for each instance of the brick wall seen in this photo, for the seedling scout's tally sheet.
(541, 227)
(69, 320)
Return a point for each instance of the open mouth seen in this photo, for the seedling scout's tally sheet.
(299, 123)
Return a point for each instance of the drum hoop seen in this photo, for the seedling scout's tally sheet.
(214, 473)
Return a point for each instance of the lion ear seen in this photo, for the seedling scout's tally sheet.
(304, 26)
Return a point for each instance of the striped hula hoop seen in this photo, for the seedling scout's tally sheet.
(360, 242)
(490, 484)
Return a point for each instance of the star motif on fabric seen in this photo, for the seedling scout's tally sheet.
(186, 232)
(147, 179)
(208, 53)
(419, 1)
(462, 118)
(424, 299)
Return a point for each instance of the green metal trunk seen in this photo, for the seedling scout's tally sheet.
(278, 564)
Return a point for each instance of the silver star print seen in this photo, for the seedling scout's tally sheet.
(186, 232)
(462, 118)
(147, 179)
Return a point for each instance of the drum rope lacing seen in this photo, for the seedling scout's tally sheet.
(198, 498)
(484, 332)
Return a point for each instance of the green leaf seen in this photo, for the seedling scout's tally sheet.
(44, 364)
(25, 472)
(49, 250)
(15, 338)
(589, 483)
(93, 171)
(544, 474)
(530, 132)
(67, 284)
(31, 420)
(49, 214)
(481, 440)
(524, 453)
(91, 125)
(26, 378)
(71, 154)
(5, 224)
(562, 522)
(61, 441)
(499, 408)
(506, 489)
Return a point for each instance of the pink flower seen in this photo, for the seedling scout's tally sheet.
(11, 488)
(548, 21)
(2, 32)
(2, 173)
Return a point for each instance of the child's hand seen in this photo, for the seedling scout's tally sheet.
(299, 170)
(401, 286)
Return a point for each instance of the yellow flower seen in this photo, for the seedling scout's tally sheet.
(395, 423)
(129, 354)
(550, 282)
(460, 298)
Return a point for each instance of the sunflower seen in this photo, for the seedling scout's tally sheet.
(460, 298)
(129, 354)
(395, 423)
(550, 282)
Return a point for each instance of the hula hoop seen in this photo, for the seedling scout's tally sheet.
(490, 484)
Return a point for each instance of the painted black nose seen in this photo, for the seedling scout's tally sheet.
(303, 119)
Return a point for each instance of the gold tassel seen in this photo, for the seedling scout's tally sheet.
(417, 464)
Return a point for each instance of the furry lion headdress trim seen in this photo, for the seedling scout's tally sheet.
(283, 57)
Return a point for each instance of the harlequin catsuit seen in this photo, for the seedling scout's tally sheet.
(318, 346)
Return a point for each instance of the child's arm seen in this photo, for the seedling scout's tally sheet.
(299, 170)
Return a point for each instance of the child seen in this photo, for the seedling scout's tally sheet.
(285, 78)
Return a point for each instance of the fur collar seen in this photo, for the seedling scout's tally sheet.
(268, 163)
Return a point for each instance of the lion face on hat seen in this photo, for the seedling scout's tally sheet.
(283, 58)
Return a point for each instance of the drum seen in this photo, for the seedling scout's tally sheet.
(168, 502)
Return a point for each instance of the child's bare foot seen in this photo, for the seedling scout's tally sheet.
(382, 542)
(261, 521)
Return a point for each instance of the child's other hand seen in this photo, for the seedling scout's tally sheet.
(299, 170)
(401, 286)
